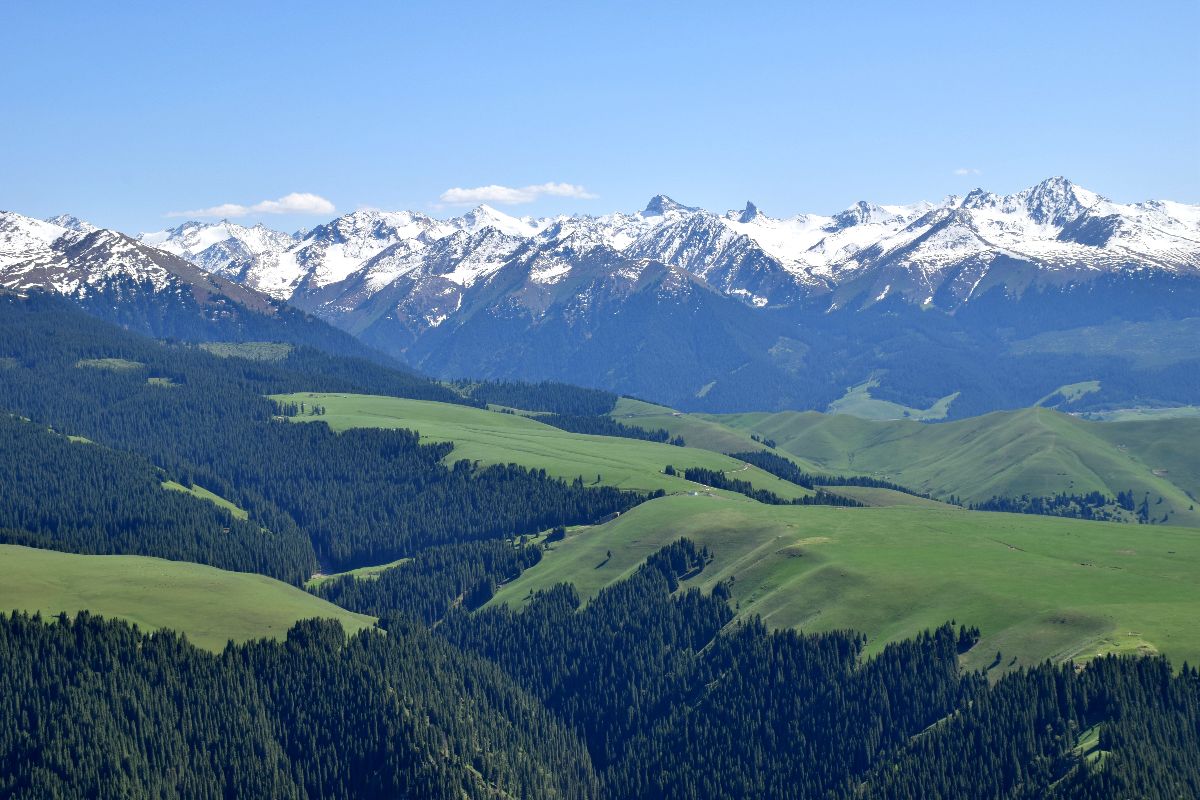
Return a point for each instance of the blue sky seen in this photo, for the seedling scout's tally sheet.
(123, 113)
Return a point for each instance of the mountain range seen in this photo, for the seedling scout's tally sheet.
(972, 296)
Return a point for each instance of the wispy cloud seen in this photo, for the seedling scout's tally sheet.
(294, 203)
(968, 171)
(511, 196)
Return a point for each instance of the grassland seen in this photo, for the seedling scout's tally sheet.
(362, 573)
(1070, 393)
(204, 494)
(1037, 587)
(495, 438)
(858, 402)
(1142, 414)
(696, 431)
(1033, 451)
(210, 605)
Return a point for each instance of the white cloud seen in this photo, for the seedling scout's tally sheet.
(511, 196)
(294, 203)
(968, 171)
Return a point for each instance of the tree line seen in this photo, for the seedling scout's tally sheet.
(786, 469)
(607, 426)
(719, 480)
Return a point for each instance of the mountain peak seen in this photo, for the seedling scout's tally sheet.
(749, 213)
(858, 214)
(71, 223)
(1057, 201)
(660, 205)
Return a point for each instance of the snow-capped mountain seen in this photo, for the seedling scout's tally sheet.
(689, 306)
(159, 293)
(939, 254)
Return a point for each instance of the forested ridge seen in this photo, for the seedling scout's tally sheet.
(362, 497)
(86, 498)
(93, 708)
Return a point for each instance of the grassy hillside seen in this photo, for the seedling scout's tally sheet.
(495, 438)
(1037, 587)
(1033, 451)
(697, 431)
(858, 402)
(210, 605)
(1170, 447)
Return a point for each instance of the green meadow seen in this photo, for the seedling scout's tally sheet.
(1035, 451)
(491, 437)
(211, 606)
(1037, 587)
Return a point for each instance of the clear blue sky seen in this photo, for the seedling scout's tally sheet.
(123, 112)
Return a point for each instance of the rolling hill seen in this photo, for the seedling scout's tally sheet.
(212, 606)
(1034, 451)
(1037, 587)
(492, 437)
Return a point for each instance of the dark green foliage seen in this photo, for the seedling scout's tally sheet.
(788, 716)
(719, 480)
(607, 426)
(785, 468)
(1093, 505)
(434, 581)
(362, 497)
(1018, 738)
(602, 668)
(548, 396)
(85, 498)
(90, 708)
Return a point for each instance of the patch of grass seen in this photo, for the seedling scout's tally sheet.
(210, 605)
(1037, 587)
(165, 382)
(255, 351)
(1070, 393)
(362, 574)
(858, 402)
(205, 494)
(1144, 414)
(495, 438)
(8, 362)
(110, 364)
